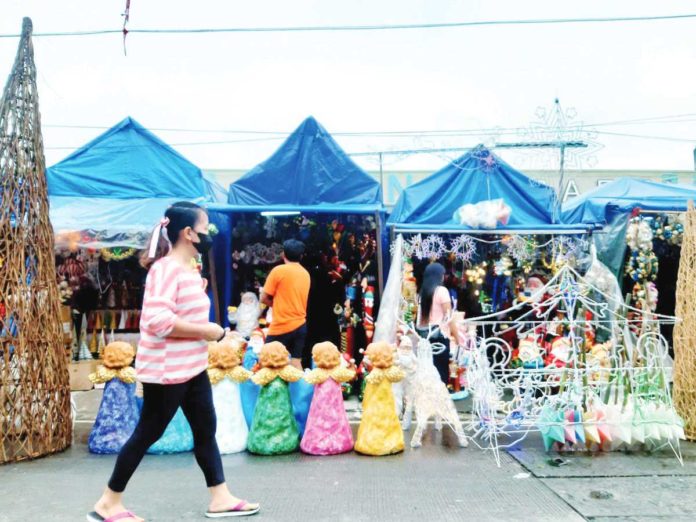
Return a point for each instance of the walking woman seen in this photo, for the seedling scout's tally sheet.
(435, 316)
(171, 363)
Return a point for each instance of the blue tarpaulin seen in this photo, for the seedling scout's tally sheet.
(478, 175)
(120, 183)
(623, 195)
(309, 172)
(611, 204)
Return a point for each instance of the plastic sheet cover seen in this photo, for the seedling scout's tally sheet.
(385, 328)
(114, 190)
(104, 223)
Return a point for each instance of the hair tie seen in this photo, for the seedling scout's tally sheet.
(156, 233)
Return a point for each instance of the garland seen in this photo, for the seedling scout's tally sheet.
(642, 266)
(668, 230)
(117, 254)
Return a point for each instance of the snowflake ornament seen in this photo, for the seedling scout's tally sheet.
(567, 249)
(433, 247)
(521, 249)
(463, 248)
(414, 247)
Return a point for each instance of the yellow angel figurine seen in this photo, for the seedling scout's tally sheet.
(380, 431)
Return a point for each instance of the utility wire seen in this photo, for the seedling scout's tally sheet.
(268, 139)
(380, 27)
(572, 127)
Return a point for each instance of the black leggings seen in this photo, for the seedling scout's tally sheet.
(160, 402)
(440, 360)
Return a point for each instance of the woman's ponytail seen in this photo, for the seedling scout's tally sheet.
(158, 246)
(177, 217)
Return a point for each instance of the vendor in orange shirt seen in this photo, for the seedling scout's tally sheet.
(287, 291)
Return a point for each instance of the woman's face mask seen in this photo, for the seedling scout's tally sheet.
(205, 242)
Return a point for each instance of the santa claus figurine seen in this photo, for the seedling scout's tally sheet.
(368, 317)
(246, 317)
(560, 354)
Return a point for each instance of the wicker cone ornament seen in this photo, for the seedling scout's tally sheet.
(684, 394)
(34, 384)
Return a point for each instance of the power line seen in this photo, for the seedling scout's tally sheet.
(379, 27)
(648, 137)
(184, 144)
(268, 139)
(668, 119)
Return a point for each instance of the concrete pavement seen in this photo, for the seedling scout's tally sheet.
(439, 481)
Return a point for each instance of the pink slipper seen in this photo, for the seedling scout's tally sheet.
(96, 517)
(236, 511)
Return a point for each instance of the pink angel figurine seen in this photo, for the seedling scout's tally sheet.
(327, 431)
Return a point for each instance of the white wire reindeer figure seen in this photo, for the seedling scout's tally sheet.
(427, 396)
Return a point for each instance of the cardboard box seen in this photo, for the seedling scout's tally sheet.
(79, 375)
(66, 320)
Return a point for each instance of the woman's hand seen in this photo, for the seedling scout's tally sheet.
(213, 332)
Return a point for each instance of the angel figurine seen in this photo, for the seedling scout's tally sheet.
(226, 373)
(327, 431)
(118, 412)
(274, 429)
(380, 432)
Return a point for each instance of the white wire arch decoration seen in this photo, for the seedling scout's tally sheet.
(507, 401)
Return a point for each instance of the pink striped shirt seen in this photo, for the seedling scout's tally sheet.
(171, 291)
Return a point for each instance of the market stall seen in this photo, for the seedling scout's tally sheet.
(493, 230)
(481, 216)
(641, 238)
(106, 198)
(548, 344)
(309, 189)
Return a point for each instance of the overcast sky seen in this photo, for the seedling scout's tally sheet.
(459, 78)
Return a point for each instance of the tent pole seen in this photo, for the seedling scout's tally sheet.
(214, 286)
(561, 175)
(381, 173)
(380, 260)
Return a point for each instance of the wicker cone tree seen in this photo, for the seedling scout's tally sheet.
(684, 337)
(34, 384)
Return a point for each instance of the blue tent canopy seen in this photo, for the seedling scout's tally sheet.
(621, 196)
(610, 206)
(119, 185)
(309, 172)
(478, 175)
(125, 162)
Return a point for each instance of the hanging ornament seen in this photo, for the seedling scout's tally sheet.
(433, 247)
(270, 227)
(642, 266)
(639, 234)
(667, 229)
(522, 249)
(414, 247)
(117, 254)
(463, 248)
